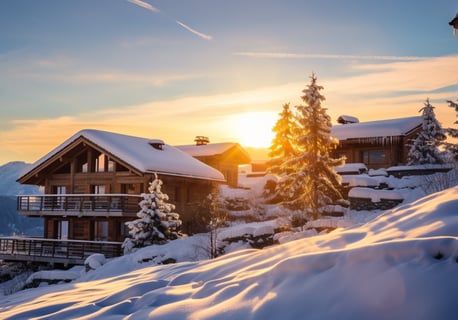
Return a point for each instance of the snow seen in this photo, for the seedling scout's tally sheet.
(374, 195)
(50, 275)
(95, 261)
(355, 167)
(210, 149)
(420, 167)
(140, 154)
(402, 264)
(381, 128)
(347, 119)
(360, 180)
(254, 229)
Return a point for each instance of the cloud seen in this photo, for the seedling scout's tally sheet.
(285, 55)
(388, 90)
(197, 33)
(145, 5)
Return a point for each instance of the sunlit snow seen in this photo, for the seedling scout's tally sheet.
(401, 265)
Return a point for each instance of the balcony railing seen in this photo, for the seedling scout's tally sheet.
(54, 250)
(79, 204)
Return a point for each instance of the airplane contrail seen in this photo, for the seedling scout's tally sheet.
(197, 33)
(147, 6)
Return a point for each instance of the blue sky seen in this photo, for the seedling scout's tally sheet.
(176, 69)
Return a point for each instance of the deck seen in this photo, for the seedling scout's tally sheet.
(78, 204)
(66, 252)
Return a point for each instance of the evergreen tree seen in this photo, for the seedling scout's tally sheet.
(156, 223)
(309, 180)
(451, 147)
(424, 149)
(282, 146)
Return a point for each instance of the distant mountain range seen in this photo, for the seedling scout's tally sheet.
(10, 222)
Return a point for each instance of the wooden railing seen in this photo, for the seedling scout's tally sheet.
(68, 252)
(78, 204)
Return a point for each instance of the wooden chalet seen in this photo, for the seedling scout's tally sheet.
(94, 180)
(224, 157)
(377, 144)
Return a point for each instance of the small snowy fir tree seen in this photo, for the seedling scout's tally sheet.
(282, 148)
(424, 149)
(451, 147)
(309, 180)
(156, 223)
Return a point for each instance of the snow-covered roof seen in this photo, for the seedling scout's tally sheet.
(380, 128)
(210, 149)
(141, 154)
(347, 119)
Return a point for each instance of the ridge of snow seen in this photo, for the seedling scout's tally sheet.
(380, 128)
(210, 149)
(138, 153)
(401, 265)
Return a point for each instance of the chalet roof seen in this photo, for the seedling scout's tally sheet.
(212, 149)
(144, 154)
(380, 128)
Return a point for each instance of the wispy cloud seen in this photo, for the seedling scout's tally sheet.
(389, 90)
(197, 33)
(145, 5)
(286, 55)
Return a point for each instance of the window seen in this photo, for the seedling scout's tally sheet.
(111, 166)
(62, 230)
(100, 163)
(98, 189)
(101, 230)
(374, 157)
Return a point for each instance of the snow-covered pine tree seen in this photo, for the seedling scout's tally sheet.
(452, 147)
(156, 223)
(309, 180)
(282, 146)
(424, 148)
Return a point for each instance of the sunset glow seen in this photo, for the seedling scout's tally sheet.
(171, 72)
(254, 129)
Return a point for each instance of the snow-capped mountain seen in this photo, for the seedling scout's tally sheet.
(10, 221)
(11, 171)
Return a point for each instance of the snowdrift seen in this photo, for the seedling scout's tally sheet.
(402, 265)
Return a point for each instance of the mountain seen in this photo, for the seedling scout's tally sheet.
(10, 221)
(9, 173)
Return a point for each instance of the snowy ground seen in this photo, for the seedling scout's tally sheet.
(398, 264)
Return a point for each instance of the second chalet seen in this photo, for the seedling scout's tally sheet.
(377, 144)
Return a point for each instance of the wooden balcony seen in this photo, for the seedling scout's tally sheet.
(66, 252)
(115, 205)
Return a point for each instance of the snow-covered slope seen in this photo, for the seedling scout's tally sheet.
(402, 265)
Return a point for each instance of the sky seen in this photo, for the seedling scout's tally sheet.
(173, 70)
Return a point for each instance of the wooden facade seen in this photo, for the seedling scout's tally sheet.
(90, 191)
(224, 157)
(377, 144)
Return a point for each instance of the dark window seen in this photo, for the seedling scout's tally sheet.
(374, 157)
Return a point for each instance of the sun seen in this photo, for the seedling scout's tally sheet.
(254, 129)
